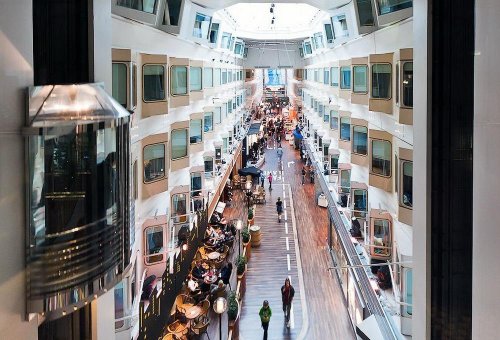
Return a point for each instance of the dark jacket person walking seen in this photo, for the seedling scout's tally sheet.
(287, 294)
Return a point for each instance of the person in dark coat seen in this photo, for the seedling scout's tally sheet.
(287, 294)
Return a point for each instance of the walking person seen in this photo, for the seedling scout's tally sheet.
(262, 178)
(265, 314)
(279, 151)
(303, 175)
(287, 294)
(311, 174)
(270, 179)
(279, 208)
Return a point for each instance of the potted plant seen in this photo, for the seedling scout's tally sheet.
(250, 216)
(245, 235)
(241, 266)
(233, 307)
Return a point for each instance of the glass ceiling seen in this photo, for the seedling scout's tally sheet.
(290, 20)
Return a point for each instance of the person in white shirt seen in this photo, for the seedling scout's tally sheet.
(192, 284)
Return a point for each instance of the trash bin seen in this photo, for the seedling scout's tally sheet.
(256, 235)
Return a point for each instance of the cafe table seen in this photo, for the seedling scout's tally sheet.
(213, 255)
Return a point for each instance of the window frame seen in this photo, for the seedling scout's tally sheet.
(201, 78)
(164, 66)
(201, 131)
(371, 157)
(127, 81)
(172, 144)
(332, 117)
(401, 184)
(211, 113)
(337, 73)
(204, 78)
(353, 140)
(164, 163)
(341, 80)
(172, 92)
(402, 93)
(371, 81)
(160, 253)
(201, 29)
(340, 128)
(354, 79)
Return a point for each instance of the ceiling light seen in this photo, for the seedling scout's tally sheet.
(271, 10)
(272, 22)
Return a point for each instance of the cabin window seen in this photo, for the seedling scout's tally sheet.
(381, 157)
(345, 181)
(179, 144)
(208, 77)
(224, 76)
(329, 33)
(360, 79)
(408, 290)
(217, 76)
(154, 244)
(195, 131)
(208, 121)
(153, 79)
(340, 28)
(381, 237)
(390, 6)
(345, 128)
(214, 33)
(174, 11)
(119, 90)
(326, 76)
(334, 71)
(407, 85)
(178, 81)
(360, 140)
(179, 207)
(345, 78)
(307, 48)
(154, 162)
(334, 120)
(326, 116)
(381, 81)
(196, 184)
(148, 6)
(135, 181)
(334, 163)
(209, 166)
(365, 12)
(201, 26)
(321, 108)
(406, 192)
(226, 40)
(195, 79)
(360, 202)
(217, 115)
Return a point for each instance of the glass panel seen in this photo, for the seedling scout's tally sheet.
(238, 48)
(318, 38)
(326, 76)
(381, 236)
(217, 77)
(120, 83)
(179, 205)
(307, 48)
(226, 40)
(217, 115)
(195, 135)
(345, 181)
(345, 77)
(326, 117)
(365, 13)
(135, 181)
(201, 25)
(195, 79)
(381, 157)
(334, 162)
(214, 32)
(224, 76)
(154, 244)
(148, 6)
(360, 202)
(119, 305)
(334, 72)
(408, 84)
(208, 79)
(340, 26)
(154, 162)
(360, 140)
(345, 128)
(397, 83)
(329, 33)
(409, 290)
(178, 81)
(381, 81)
(407, 184)
(389, 6)
(360, 79)
(209, 165)
(334, 120)
(196, 184)
(320, 110)
(179, 143)
(174, 11)
(153, 79)
(208, 123)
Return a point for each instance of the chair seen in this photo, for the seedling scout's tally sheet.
(236, 181)
(178, 328)
(181, 301)
(200, 326)
(218, 263)
(205, 307)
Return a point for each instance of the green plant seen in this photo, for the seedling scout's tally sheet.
(233, 308)
(250, 213)
(241, 262)
(245, 235)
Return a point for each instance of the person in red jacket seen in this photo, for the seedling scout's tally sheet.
(287, 293)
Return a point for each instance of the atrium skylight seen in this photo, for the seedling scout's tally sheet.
(255, 20)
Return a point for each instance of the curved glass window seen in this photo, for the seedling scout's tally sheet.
(217, 76)
(326, 116)
(389, 6)
(381, 237)
(179, 207)
(360, 202)
(217, 115)
(153, 83)
(154, 162)
(345, 77)
(365, 13)
(334, 163)
(340, 28)
(408, 84)
(154, 244)
(148, 6)
(224, 76)
(209, 166)
(334, 120)
(178, 80)
(226, 40)
(381, 157)
(119, 90)
(360, 79)
(208, 121)
(179, 144)
(406, 195)
(381, 81)
(208, 77)
(196, 184)
(345, 181)
(195, 79)
(360, 140)
(326, 76)
(214, 33)
(195, 131)
(345, 128)
(201, 26)
(334, 74)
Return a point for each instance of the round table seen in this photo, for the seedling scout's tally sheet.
(213, 255)
(210, 279)
(193, 312)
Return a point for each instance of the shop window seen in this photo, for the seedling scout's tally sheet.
(209, 166)
(195, 134)
(360, 202)
(345, 77)
(326, 116)
(201, 26)
(226, 40)
(217, 115)
(390, 6)
(345, 128)
(381, 237)
(179, 208)
(154, 244)
(365, 12)
(340, 28)
(208, 77)
(360, 140)
(154, 162)
(329, 33)
(194, 79)
(217, 76)
(381, 157)
(381, 81)
(196, 184)
(406, 192)
(178, 80)
(119, 71)
(345, 181)
(208, 121)
(334, 73)
(326, 76)
(179, 144)
(214, 33)
(407, 85)
(148, 6)
(360, 79)
(174, 11)
(334, 120)
(153, 79)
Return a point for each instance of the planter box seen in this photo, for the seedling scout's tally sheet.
(241, 287)
(247, 247)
